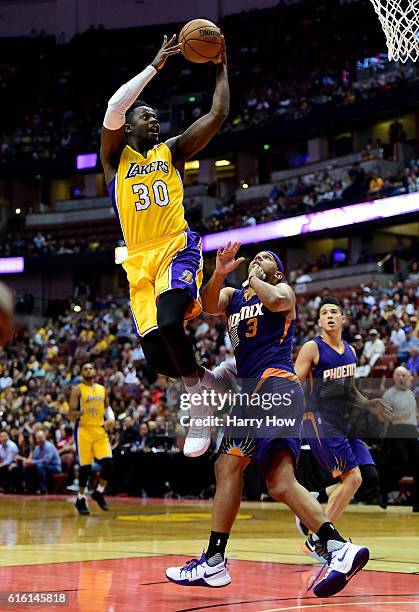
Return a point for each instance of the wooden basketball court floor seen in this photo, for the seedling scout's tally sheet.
(115, 561)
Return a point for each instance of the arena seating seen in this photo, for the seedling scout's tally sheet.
(83, 73)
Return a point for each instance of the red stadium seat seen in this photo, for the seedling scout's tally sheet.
(378, 371)
(56, 483)
(389, 360)
(406, 485)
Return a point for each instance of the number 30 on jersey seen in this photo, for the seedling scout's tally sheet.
(160, 195)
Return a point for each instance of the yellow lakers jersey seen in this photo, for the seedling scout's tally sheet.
(147, 196)
(92, 405)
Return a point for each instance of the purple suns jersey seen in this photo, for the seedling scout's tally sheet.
(327, 393)
(261, 339)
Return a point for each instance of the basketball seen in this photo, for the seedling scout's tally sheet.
(201, 41)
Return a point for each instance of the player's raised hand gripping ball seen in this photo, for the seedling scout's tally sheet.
(168, 48)
(201, 41)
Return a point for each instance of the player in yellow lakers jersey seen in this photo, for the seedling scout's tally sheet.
(164, 264)
(89, 405)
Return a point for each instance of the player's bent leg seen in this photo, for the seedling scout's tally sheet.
(171, 310)
(81, 504)
(369, 490)
(284, 487)
(210, 569)
(343, 493)
(344, 558)
(229, 471)
(157, 355)
(105, 473)
(301, 528)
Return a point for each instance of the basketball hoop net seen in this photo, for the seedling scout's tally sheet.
(400, 22)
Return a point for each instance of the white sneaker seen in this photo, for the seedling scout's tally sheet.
(197, 441)
(198, 438)
(343, 565)
(198, 573)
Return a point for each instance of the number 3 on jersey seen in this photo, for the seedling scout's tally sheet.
(160, 195)
(252, 327)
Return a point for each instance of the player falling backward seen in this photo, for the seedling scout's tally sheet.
(90, 407)
(328, 362)
(261, 322)
(164, 264)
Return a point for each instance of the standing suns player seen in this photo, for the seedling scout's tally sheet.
(164, 264)
(89, 405)
(261, 321)
(329, 362)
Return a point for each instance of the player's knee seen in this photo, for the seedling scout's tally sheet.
(228, 467)
(84, 473)
(106, 468)
(169, 327)
(353, 479)
(278, 490)
(158, 360)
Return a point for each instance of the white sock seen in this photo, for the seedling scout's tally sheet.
(81, 496)
(207, 379)
(196, 407)
(100, 488)
(194, 388)
(333, 545)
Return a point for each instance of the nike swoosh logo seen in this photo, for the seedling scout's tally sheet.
(214, 574)
(343, 556)
(349, 576)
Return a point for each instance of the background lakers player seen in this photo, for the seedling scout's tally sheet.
(89, 405)
(164, 264)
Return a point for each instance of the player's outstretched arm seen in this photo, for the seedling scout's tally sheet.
(198, 135)
(216, 297)
(306, 359)
(114, 122)
(376, 405)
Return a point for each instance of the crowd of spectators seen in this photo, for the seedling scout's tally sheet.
(39, 367)
(318, 191)
(43, 243)
(287, 76)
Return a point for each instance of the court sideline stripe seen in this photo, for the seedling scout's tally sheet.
(312, 598)
(354, 603)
